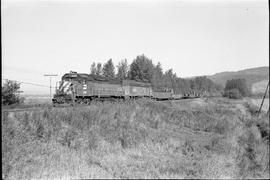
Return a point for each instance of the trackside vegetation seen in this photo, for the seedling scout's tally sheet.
(136, 139)
(10, 93)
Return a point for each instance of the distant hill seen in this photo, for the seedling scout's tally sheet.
(257, 78)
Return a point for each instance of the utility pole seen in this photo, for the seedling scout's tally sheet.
(263, 100)
(50, 75)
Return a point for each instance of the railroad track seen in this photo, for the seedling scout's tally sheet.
(32, 108)
(23, 109)
(42, 108)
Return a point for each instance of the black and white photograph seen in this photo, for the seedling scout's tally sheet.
(135, 89)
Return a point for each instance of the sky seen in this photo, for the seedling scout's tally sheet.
(193, 37)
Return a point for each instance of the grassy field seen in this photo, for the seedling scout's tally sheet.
(36, 99)
(259, 87)
(258, 102)
(199, 138)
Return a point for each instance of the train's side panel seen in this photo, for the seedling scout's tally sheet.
(99, 89)
(135, 89)
(104, 89)
(139, 91)
(84, 89)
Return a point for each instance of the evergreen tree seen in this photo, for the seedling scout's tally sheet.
(122, 70)
(169, 78)
(108, 69)
(183, 86)
(157, 77)
(141, 69)
(99, 69)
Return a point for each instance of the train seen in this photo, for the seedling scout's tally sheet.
(83, 88)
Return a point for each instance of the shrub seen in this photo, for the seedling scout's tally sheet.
(239, 84)
(233, 94)
(251, 108)
(253, 157)
(10, 93)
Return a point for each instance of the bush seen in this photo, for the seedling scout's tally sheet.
(253, 157)
(10, 93)
(233, 94)
(239, 84)
(252, 109)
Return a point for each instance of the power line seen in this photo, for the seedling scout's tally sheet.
(34, 84)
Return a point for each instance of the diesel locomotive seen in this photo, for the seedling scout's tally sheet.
(83, 88)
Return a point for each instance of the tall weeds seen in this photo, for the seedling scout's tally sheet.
(111, 128)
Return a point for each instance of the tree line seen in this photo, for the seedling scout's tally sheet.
(144, 70)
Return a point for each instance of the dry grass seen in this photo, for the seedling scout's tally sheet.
(259, 87)
(135, 139)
